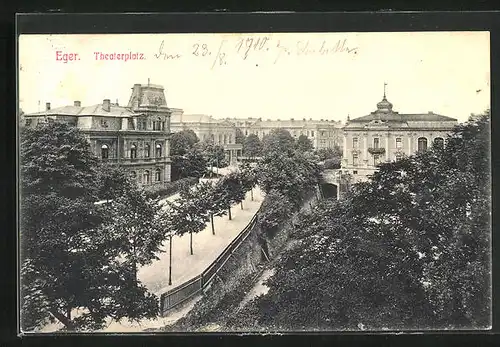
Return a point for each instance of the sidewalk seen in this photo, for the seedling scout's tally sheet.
(206, 248)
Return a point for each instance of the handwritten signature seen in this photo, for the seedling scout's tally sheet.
(259, 47)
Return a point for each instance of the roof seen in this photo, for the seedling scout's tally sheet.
(402, 118)
(94, 110)
(191, 118)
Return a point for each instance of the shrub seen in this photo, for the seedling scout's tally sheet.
(174, 187)
(332, 163)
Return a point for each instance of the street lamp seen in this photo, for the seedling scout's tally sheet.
(170, 263)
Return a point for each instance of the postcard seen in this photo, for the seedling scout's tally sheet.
(254, 182)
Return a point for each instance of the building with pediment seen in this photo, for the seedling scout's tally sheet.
(386, 135)
(135, 136)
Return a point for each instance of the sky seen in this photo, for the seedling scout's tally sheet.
(271, 76)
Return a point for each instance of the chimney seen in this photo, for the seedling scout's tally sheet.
(78, 104)
(106, 105)
(47, 106)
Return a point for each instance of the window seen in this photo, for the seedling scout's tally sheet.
(439, 142)
(144, 124)
(355, 142)
(28, 122)
(312, 133)
(146, 177)
(230, 138)
(246, 132)
(399, 156)
(399, 143)
(104, 152)
(376, 159)
(133, 151)
(225, 139)
(163, 126)
(376, 142)
(104, 123)
(158, 175)
(158, 151)
(220, 138)
(355, 159)
(322, 133)
(133, 175)
(147, 150)
(422, 144)
(355, 172)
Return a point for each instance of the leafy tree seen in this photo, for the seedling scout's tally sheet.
(191, 164)
(182, 141)
(408, 248)
(231, 191)
(279, 140)
(332, 163)
(276, 209)
(68, 260)
(304, 144)
(248, 178)
(134, 220)
(329, 153)
(212, 200)
(293, 174)
(239, 137)
(194, 214)
(214, 154)
(252, 146)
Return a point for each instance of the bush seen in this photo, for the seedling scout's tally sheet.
(172, 188)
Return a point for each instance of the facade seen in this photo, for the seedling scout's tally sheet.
(322, 133)
(207, 128)
(135, 136)
(386, 135)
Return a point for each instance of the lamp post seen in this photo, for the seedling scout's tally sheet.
(170, 263)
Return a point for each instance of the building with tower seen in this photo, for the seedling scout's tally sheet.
(386, 135)
(135, 136)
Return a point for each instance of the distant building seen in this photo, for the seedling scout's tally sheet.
(385, 135)
(322, 133)
(135, 136)
(220, 132)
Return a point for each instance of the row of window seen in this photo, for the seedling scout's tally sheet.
(157, 125)
(225, 139)
(146, 176)
(133, 151)
(422, 143)
(294, 132)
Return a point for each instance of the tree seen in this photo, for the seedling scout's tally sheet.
(67, 259)
(239, 137)
(248, 178)
(193, 213)
(304, 144)
(134, 220)
(276, 209)
(231, 190)
(212, 199)
(292, 174)
(191, 164)
(329, 153)
(279, 140)
(214, 154)
(408, 248)
(252, 147)
(182, 141)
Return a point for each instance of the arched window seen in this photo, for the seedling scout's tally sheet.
(133, 151)
(158, 150)
(147, 150)
(104, 152)
(158, 175)
(133, 175)
(146, 177)
(439, 142)
(422, 144)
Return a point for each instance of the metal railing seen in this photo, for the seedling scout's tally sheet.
(188, 289)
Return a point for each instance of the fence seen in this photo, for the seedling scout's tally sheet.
(188, 289)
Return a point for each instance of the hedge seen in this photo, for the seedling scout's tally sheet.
(174, 187)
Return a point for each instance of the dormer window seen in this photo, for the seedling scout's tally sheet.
(104, 123)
